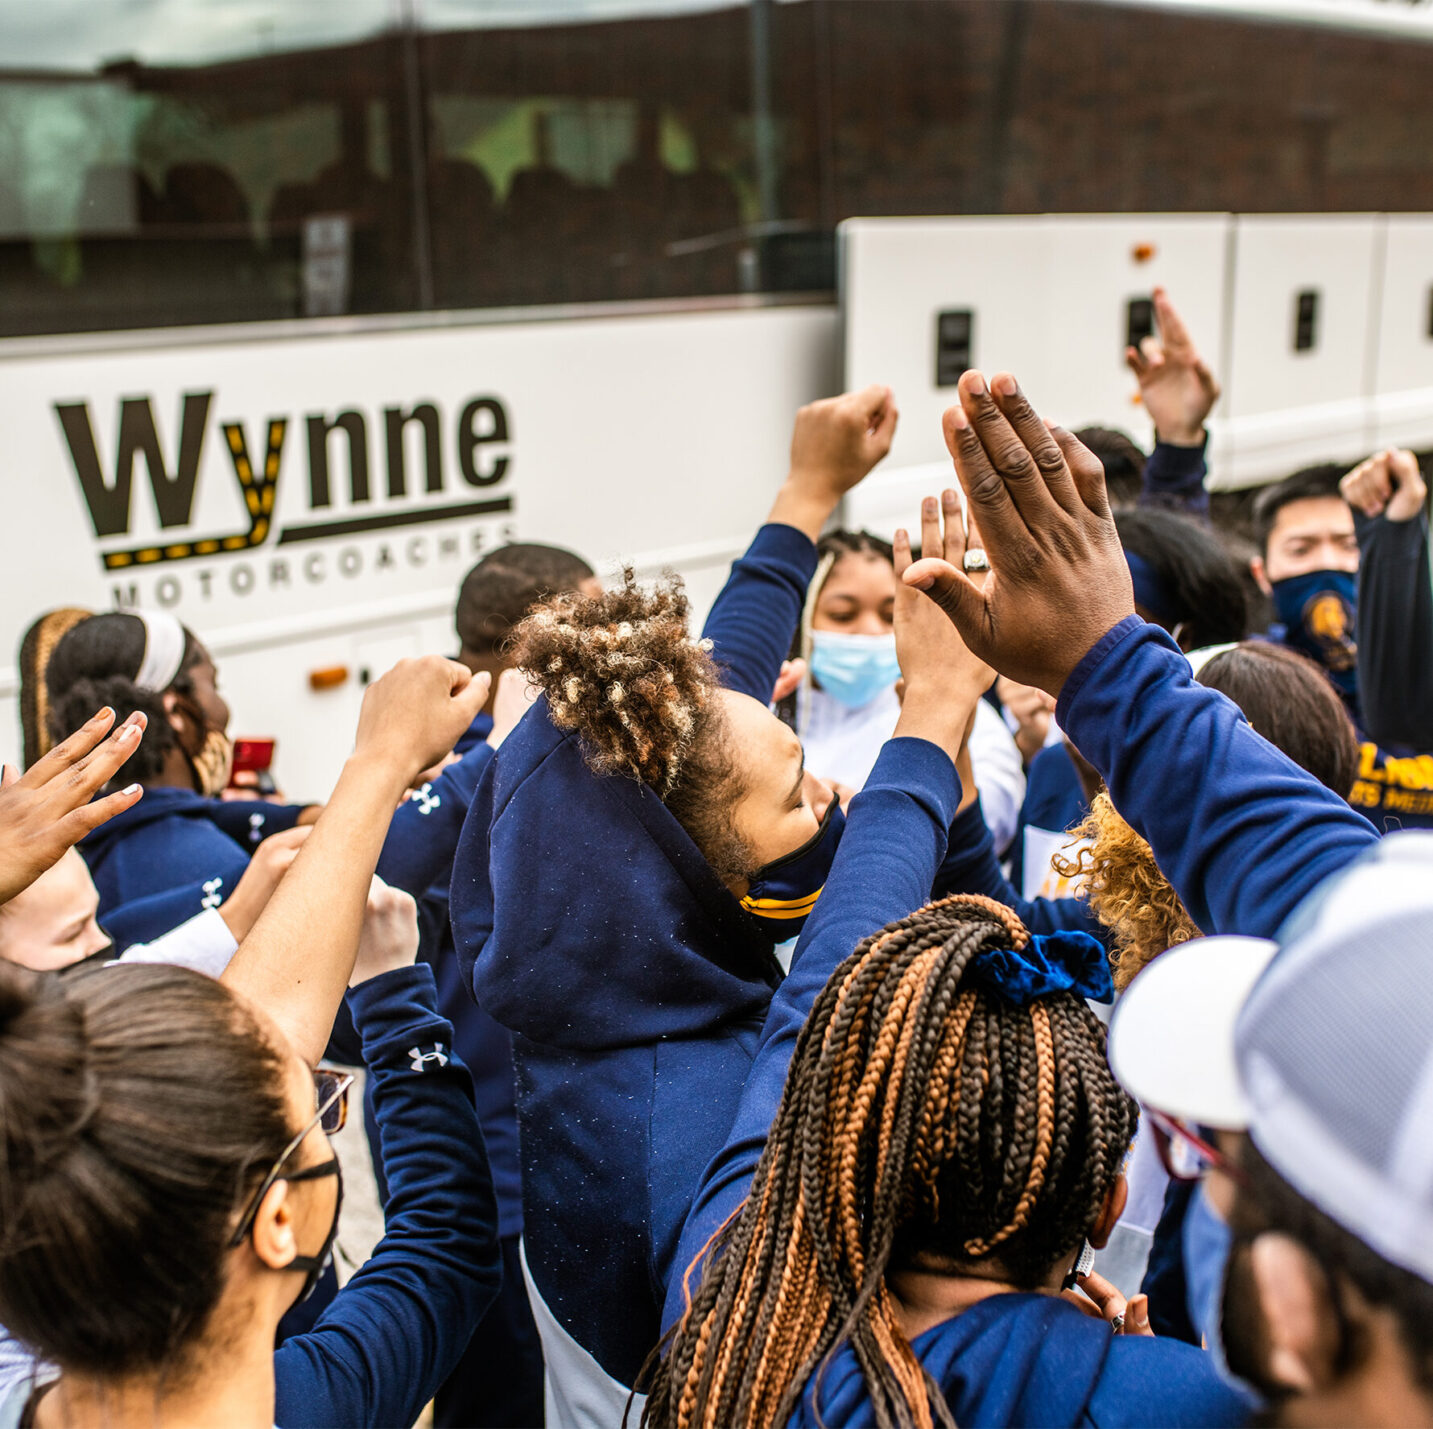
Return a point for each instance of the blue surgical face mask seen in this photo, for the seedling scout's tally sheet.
(782, 895)
(1318, 611)
(854, 669)
(1206, 1244)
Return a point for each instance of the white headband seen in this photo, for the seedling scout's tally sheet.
(163, 650)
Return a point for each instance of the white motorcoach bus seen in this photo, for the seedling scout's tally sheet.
(305, 306)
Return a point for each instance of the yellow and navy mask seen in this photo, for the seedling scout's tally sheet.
(781, 895)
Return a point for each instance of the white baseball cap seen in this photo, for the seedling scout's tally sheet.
(1319, 1045)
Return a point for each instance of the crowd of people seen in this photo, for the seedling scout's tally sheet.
(974, 979)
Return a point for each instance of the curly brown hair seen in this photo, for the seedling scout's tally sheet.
(623, 672)
(1126, 891)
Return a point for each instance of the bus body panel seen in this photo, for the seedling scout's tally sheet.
(656, 439)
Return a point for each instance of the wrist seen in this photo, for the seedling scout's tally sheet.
(804, 501)
(938, 711)
(383, 775)
(1180, 435)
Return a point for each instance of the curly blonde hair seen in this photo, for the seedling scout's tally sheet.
(621, 670)
(1126, 891)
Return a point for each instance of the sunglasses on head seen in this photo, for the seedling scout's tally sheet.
(331, 1099)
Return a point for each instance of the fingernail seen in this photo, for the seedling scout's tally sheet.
(951, 498)
(1006, 385)
(959, 420)
(922, 582)
(928, 507)
(129, 734)
(976, 385)
(132, 789)
(138, 717)
(104, 714)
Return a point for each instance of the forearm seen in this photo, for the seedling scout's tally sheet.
(297, 960)
(754, 620)
(1239, 829)
(1395, 632)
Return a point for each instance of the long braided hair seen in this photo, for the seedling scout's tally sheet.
(927, 1122)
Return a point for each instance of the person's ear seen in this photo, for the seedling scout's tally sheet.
(273, 1236)
(1116, 1198)
(178, 720)
(1296, 1310)
(1261, 576)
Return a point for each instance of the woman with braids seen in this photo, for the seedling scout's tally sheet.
(645, 838)
(928, 1136)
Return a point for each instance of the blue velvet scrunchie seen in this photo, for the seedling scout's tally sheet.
(1049, 962)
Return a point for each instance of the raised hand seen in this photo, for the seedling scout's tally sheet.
(1058, 577)
(1389, 483)
(943, 680)
(1175, 384)
(390, 933)
(834, 444)
(48, 810)
(416, 713)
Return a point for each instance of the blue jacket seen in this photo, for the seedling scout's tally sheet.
(1237, 827)
(176, 853)
(631, 979)
(1036, 1361)
(394, 1332)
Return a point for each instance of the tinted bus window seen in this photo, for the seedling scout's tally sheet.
(157, 161)
(177, 161)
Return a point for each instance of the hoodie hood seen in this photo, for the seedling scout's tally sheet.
(585, 916)
(1036, 1360)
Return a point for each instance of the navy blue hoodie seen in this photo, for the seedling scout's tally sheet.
(176, 853)
(631, 979)
(1036, 1361)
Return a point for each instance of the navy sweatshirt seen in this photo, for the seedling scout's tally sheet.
(1238, 828)
(176, 853)
(1036, 1360)
(631, 979)
(395, 1331)
(1010, 1360)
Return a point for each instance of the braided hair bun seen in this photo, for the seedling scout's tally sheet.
(622, 671)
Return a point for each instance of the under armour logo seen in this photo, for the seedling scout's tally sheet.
(211, 898)
(420, 1058)
(427, 800)
(256, 828)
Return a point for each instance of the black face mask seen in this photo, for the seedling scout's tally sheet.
(315, 1265)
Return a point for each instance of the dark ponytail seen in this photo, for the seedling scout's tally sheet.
(94, 664)
(139, 1106)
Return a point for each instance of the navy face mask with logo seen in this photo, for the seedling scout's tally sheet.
(1317, 610)
(781, 895)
